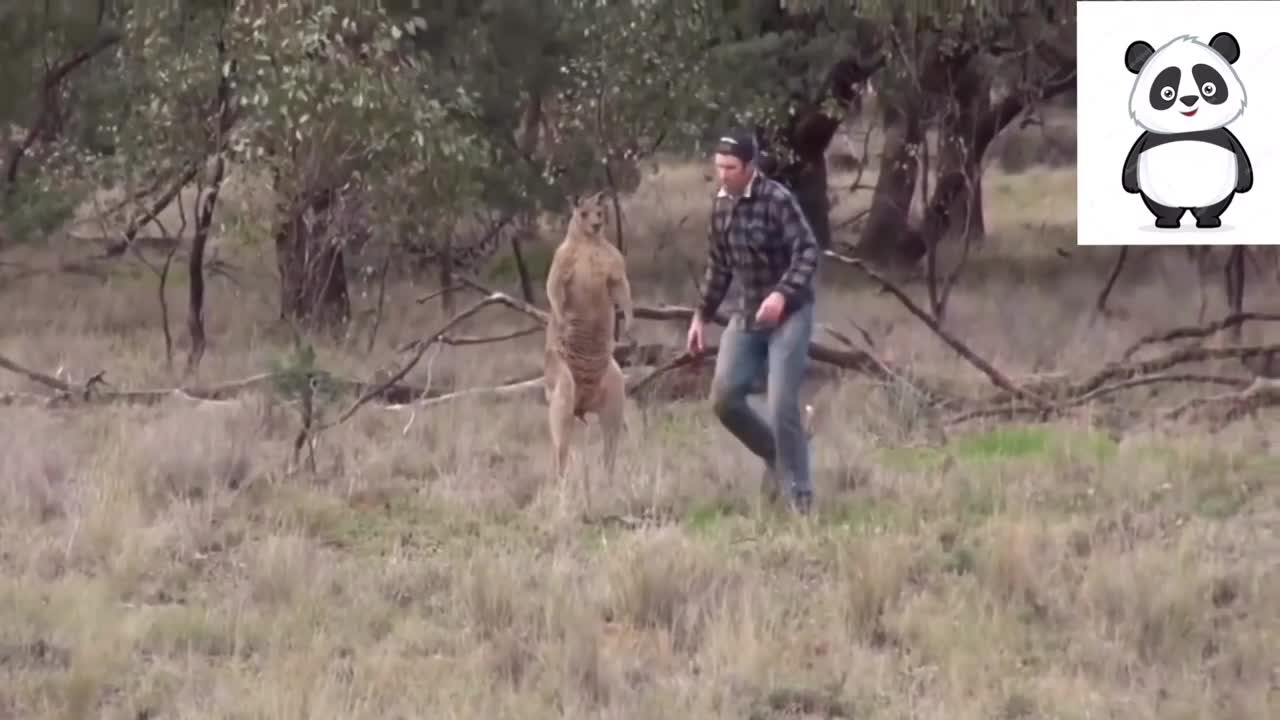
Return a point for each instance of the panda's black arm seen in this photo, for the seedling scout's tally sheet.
(1129, 178)
(1244, 167)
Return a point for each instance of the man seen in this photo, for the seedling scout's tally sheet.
(760, 236)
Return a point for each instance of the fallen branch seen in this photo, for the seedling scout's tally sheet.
(1263, 392)
(423, 346)
(851, 359)
(498, 391)
(91, 389)
(1197, 332)
(1183, 356)
(1015, 409)
(38, 377)
(679, 361)
(996, 377)
(518, 387)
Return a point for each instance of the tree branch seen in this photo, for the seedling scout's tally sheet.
(1196, 332)
(996, 377)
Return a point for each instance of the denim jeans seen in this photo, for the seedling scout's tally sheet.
(779, 438)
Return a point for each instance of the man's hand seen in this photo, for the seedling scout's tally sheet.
(696, 342)
(771, 309)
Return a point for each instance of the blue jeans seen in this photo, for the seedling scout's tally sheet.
(783, 353)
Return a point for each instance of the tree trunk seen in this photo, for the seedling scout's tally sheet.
(447, 300)
(808, 136)
(311, 262)
(195, 268)
(960, 157)
(987, 124)
(522, 269)
(887, 238)
(808, 182)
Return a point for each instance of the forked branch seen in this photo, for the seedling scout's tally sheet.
(998, 378)
(422, 347)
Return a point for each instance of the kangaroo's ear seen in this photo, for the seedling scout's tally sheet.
(572, 199)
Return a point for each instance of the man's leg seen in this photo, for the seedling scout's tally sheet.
(788, 360)
(739, 362)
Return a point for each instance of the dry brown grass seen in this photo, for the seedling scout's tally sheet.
(157, 562)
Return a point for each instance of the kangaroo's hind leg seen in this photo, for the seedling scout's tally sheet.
(560, 418)
(613, 398)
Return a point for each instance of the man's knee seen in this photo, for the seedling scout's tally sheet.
(726, 398)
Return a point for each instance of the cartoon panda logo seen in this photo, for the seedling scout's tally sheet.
(1184, 96)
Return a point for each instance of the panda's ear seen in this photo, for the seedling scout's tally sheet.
(1137, 55)
(1227, 46)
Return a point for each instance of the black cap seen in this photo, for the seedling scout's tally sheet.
(739, 144)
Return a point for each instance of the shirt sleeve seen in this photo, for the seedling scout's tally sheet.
(715, 282)
(798, 236)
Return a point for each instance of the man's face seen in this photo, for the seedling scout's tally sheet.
(733, 173)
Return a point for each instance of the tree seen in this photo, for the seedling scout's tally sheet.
(942, 64)
(43, 46)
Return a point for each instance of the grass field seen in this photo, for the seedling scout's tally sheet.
(157, 562)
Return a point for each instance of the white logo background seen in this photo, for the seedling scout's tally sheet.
(1106, 214)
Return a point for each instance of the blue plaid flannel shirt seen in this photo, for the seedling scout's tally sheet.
(764, 240)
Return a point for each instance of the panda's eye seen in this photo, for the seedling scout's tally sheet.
(1167, 92)
(1208, 89)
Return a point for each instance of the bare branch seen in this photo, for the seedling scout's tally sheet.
(90, 389)
(515, 388)
(1014, 409)
(679, 361)
(982, 365)
(38, 377)
(1262, 393)
(1196, 332)
(1184, 356)
(465, 340)
(1101, 304)
(423, 345)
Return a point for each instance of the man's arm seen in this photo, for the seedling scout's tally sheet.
(715, 281)
(805, 252)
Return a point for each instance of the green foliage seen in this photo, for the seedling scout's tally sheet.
(297, 376)
(419, 108)
(37, 208)
(31, 35)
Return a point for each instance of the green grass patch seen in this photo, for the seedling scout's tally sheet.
(916, 460)
(1004, 445)
(1032, 442)
(709, 516)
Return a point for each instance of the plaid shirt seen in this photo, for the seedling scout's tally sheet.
(764, 240)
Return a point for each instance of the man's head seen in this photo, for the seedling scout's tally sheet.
(735, 161)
